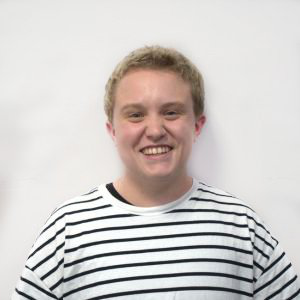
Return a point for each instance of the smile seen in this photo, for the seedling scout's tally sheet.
(156, 150)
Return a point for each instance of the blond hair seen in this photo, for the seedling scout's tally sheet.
(156, 57)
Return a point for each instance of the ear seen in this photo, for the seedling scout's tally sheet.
(200, 121)
(110, 129)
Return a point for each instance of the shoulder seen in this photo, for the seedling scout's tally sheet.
(89, 201)
(72, 210)
(219, 198)
(75, 206)
(84, 201)
(231, 208)
(238, 218)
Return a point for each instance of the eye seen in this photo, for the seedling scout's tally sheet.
(135, 116)
(171, 114)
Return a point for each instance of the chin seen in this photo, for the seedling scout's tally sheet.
(163, 174)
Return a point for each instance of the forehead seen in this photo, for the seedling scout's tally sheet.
(146, 85)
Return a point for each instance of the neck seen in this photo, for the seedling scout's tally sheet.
(146, 193)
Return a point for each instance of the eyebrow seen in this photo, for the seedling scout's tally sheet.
(140, 106)
(131, 106)
(174, 104)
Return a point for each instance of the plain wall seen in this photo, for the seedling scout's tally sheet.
(55, 57)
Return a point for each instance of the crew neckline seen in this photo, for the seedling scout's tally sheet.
(111, 188)
(153, 210)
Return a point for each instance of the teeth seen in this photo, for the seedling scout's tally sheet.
(156, 150)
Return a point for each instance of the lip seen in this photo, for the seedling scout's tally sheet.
(156, 146)
(157, 157)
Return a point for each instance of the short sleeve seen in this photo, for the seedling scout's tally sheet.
(42, 276)
(278, 280)
(32, 287)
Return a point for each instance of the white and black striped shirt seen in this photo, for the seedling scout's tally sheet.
(205, 245)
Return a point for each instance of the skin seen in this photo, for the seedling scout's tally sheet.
(154, 110)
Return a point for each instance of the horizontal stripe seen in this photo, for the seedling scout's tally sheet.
(195, 210)
(53, 269)
(74, 212)
(273, 279)
(164, 262)
(261, 252)
(48, 257)
(188, 210)
(219, 202)
(258, 265)
(47, 242)
(261, 238)
(202, 183)
(90, 192)
(78, 202)
(274, 263)
(179, 248)
(61, 231)
(100, 218)
(294, 295)
(25, 295)
(213, 193)
(57, 284)
(150, 277)
(167, 236)
(70, 236)
(282, 288)
(38, 288)
(175, 289)
(211, 241)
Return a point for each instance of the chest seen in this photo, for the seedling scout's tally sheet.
(167, 256)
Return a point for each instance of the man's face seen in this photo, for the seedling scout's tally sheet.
(154, 125)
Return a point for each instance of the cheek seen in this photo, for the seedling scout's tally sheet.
(183, 131)
(127, 134)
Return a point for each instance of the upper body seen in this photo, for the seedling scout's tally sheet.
(176, 239)
(205, 245)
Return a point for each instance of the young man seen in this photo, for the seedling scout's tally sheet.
(156, 232)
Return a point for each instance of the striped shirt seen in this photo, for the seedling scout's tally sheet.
(205, 245)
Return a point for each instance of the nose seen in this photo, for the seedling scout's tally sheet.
(155, 129)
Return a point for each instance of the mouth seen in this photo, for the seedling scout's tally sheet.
(156, 150)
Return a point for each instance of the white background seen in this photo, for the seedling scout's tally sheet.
(55, 57)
